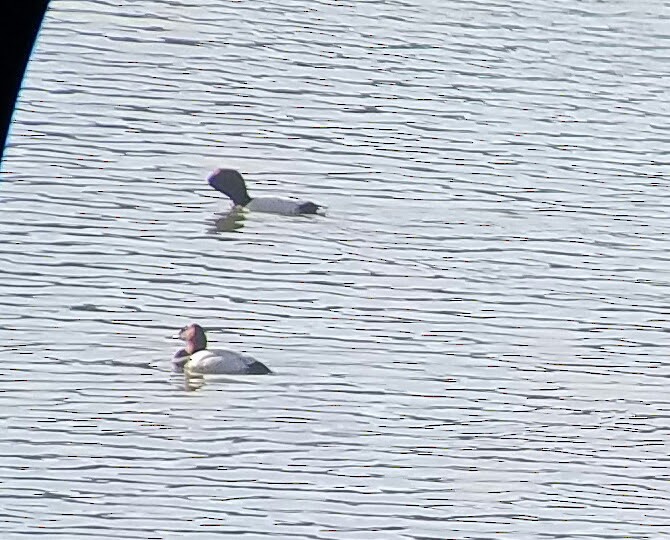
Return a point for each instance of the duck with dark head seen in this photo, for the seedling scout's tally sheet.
(232, 185)
(195, 357)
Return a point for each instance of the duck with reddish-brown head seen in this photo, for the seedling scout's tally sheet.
(197, 358)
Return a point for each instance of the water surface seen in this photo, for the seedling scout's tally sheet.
(472, 343)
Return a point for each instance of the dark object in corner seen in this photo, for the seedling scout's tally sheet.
(19, 24)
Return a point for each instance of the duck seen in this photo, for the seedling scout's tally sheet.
(197, 358)
(231, 183)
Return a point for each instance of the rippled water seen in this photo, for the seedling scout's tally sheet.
(472, 343)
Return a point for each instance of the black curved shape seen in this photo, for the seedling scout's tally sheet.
(19, 24)
(308, 208)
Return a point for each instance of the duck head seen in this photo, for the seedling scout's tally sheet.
(231, 184)
(195, 339)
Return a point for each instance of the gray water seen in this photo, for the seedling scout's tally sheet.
(471, 344)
